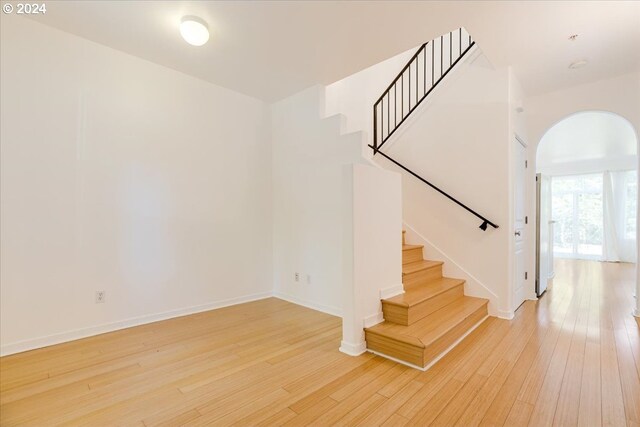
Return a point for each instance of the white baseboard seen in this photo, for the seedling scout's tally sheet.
(62, 337)
(309, 304)
(372, 320)
(402, 362)
(58, 338)
(391, 291)
(353, 349)
(473, 286)
(503, 314)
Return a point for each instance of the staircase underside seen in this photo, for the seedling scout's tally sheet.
(431, 317)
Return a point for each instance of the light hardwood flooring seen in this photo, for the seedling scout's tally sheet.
(572, 358)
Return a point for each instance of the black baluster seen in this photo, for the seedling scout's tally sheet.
(375, 128)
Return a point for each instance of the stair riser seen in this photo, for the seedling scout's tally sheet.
(395, 313)
(408, 315)
(421, 277)
(393, 348)
(411, 255)
(440, 345)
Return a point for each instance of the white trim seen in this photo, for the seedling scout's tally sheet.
(636, 313)
(76, 334)
(309, 304)
(504, 314)
(440, 356)
(391, 291)
(402, 362)
(470, 278)
(353, 349)
(372, 320)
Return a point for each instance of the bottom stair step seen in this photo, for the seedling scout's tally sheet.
(425, 340)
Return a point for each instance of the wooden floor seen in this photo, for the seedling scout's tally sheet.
(571, 358)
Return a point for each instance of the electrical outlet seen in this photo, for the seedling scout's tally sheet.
(100, 296)
(297, 277)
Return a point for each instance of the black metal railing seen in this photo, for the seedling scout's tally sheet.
(422, 72)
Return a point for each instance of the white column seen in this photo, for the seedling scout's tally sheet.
(375, 264)
(636, 312)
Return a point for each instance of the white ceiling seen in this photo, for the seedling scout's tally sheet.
(270, 49)
(587, 136)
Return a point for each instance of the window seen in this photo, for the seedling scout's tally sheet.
(576, 204)
(630, 203)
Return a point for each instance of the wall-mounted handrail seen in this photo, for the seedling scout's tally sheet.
(422, 87)
(485, 221)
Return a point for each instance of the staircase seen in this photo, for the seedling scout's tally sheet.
(432, 315)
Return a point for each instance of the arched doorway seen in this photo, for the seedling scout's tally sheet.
(587, 192)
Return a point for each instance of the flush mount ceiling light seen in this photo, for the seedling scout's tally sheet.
(578, 64)
(194, 30)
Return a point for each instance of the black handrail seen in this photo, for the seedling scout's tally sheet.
(415, 60)
(485, 221)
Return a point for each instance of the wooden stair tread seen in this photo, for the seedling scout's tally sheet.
(429, 318)
(409, 247)
(415, 296)
(428, 329)
(419, 266)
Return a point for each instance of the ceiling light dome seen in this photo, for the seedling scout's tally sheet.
(194, 30)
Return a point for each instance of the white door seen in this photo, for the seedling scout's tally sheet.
(520, 280)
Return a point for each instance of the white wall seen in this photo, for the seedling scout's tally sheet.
(459, 140)
(310, 200)
(376, 215)
(587, 142)
(124, 176)
(620, 95)
(355, 95)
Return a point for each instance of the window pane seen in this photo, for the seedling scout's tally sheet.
(589, 224)
(577, 209)
(562, 206)
(631, 201)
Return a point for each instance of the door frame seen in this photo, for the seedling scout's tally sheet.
(521, 244)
